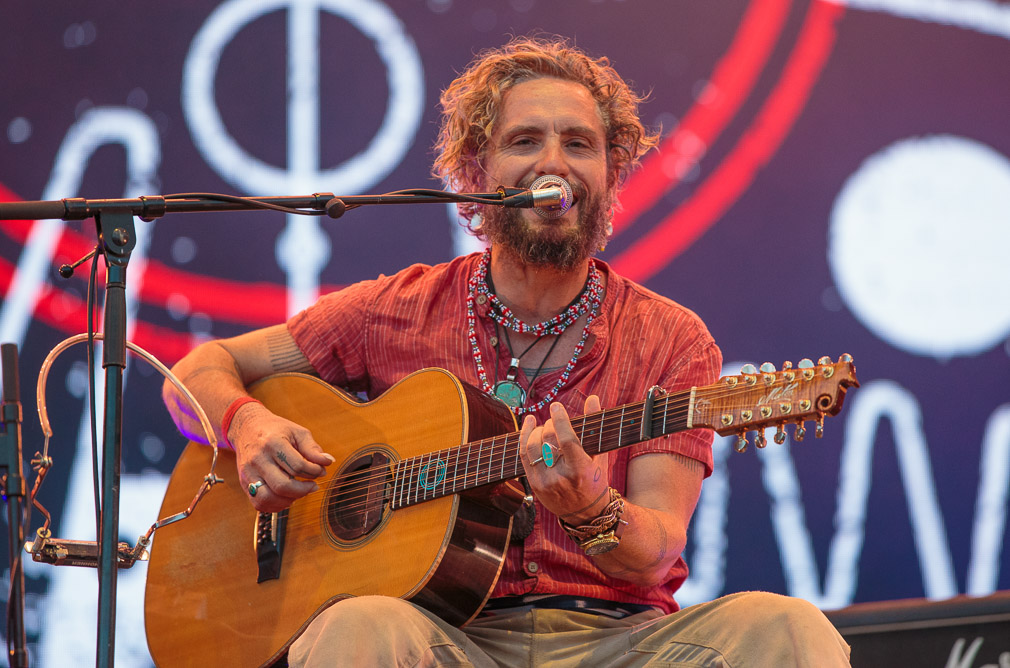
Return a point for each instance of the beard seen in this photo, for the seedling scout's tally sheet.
(549, 243)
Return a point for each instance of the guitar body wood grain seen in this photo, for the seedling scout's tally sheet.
(203, 605)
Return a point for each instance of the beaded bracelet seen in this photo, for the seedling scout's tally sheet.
(229, 415)
(602, 533)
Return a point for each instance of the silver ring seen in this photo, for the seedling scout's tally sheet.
(254, 487)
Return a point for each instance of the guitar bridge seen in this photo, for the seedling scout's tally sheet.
(269, 544)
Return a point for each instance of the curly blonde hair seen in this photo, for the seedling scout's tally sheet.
(472, 103)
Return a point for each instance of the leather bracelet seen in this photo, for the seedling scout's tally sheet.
(229, 415)
(602, 533)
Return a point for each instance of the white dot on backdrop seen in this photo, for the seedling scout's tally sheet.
(152, 447)
(200, 324)
(77, 380)
(79, 34)
(183, 249)
(917, 245)
(137, 98)
(19, 130)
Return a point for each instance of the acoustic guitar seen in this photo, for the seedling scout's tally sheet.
(418, 504)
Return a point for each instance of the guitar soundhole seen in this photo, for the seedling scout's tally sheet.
(356, 500)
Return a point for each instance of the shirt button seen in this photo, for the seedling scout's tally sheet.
(481, 299)
(533, 567)
(494, 340)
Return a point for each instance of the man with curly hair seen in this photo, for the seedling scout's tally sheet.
(537, 322)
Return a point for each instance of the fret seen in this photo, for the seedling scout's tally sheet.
(408, 485)
(445, 472)
(422, 472)
(455, 471)
(666, 412)
(418, 489)
(396, 481)
(477, 465)
(504, 452)
(620, 428)
(490, 461)
(466, 469)
(405, 488)
(603, 418)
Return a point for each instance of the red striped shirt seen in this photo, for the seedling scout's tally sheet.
(370, 335)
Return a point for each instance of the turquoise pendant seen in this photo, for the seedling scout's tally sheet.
(510, 392)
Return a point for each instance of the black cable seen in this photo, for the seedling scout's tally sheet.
(253, 203)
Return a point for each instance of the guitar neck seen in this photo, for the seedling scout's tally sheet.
(494, 460)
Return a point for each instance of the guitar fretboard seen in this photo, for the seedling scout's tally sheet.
(496, 459)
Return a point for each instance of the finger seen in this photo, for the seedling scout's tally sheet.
(561, 425)
(592, 405)
(314, 453)
(299, 455)
(266, 500)
(279, 483)
(528, 439)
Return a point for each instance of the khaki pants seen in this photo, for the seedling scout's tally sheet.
(746, 629)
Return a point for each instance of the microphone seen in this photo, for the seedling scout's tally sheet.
(549, 196)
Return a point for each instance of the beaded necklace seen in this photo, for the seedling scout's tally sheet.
(503, 315)
(588, 302)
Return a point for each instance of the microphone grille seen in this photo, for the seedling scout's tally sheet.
(549, 181)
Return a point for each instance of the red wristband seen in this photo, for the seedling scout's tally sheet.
(229, 415)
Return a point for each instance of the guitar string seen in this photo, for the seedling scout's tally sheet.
(606, 424)
(508, 457)
(355, 479)
(591, 423)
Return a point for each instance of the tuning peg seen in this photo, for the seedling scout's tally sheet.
(780, 434)
(767, 367)
(824, 360)
(759, 439)
(846, 357)
(787, 365)
(741, 442)
(819, 431)
(748, 369)
(800, 433)
(805, 363)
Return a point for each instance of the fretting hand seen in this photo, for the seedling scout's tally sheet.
(574, 486)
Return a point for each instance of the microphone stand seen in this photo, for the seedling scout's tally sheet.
(114, 221)
(14, 491)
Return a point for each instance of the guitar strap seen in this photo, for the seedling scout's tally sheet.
(522, 521)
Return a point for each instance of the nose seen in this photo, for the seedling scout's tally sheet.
(552, 159)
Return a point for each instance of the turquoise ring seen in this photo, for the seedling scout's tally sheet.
(547, 454)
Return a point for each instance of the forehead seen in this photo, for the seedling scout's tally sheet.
(549, 103)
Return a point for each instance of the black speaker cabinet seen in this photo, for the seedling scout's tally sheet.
(961, 632)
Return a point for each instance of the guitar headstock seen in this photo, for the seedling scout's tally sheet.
(758, 398)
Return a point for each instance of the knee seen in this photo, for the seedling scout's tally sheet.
(782, 613)
(370, 614)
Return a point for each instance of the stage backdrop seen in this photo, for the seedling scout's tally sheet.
(833, 178)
